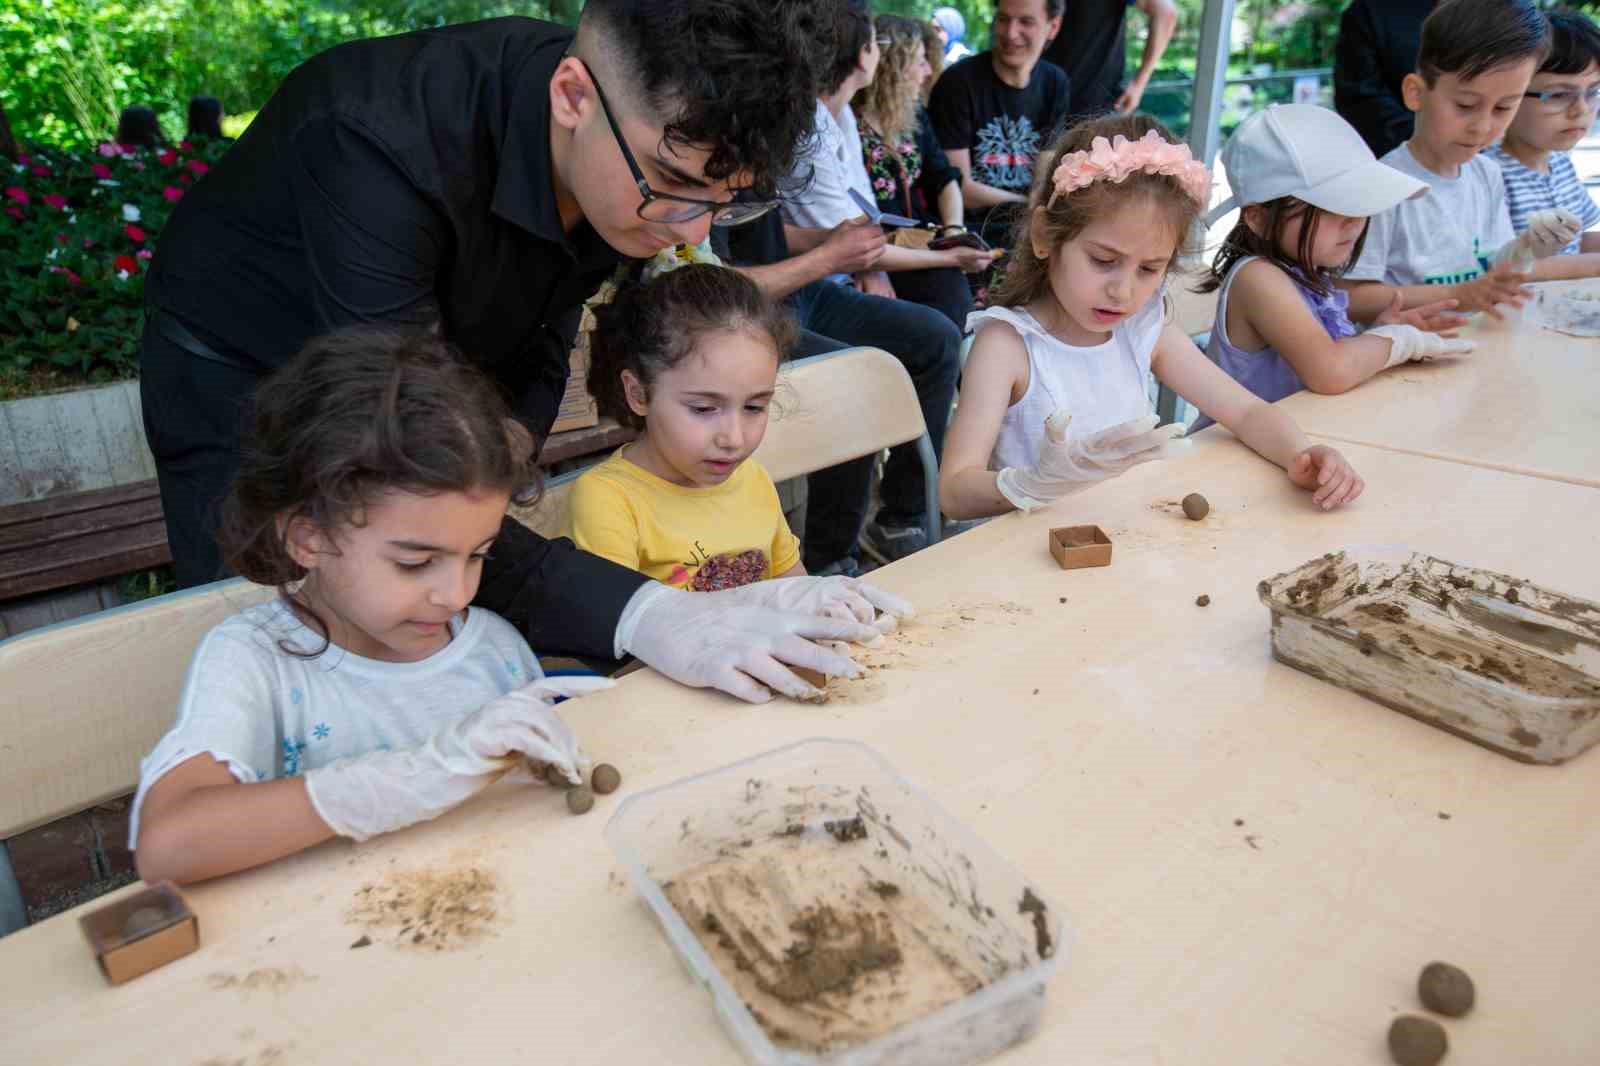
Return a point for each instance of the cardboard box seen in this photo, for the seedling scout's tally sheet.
(1077, 546)
(141, 932)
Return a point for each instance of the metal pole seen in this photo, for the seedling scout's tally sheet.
(1210, 78)
(1205, 138)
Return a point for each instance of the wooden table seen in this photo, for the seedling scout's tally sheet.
(1527, 400)
(577, 443)
(1109, 745)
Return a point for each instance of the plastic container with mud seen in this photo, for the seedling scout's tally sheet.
(836, 914)
(1490, 657)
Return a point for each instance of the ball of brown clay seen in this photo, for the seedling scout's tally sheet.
(1202, 601)
(142, 921)
(1415, 1041)
(606, 779)
(1446, 989)
(1196, 506)
(579, 800)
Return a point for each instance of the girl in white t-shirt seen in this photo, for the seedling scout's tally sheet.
(1054, 395)
(366, 696)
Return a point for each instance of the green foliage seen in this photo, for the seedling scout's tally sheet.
(76, 229)
(67, 67)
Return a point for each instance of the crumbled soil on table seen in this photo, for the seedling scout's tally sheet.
(271, 977)
(430, 909)
(1313, 586)
(914, 645)
(847, 829)
(884, 889)
(1034, 907)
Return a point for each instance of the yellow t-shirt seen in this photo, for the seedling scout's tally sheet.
(702, 539)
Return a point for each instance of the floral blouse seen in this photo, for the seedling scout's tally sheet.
(911, 184)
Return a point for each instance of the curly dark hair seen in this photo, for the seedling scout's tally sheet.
(355, 414)
(653, 326)
(736, 78)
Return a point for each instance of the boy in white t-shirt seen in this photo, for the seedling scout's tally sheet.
(1476, 60)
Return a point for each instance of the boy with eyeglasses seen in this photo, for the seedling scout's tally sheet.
(1476, 60)
(1558, 110)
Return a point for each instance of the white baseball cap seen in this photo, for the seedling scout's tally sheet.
(1312, 154)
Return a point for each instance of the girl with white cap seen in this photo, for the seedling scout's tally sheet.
(1308, 184)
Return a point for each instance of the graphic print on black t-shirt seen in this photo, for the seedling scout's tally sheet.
(1004, 152)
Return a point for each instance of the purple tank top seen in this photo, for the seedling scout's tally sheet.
(1264, 372)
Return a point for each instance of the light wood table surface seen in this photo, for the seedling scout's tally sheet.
(1109, 745)
(1527, 401)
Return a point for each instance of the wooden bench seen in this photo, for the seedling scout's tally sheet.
(80, 537)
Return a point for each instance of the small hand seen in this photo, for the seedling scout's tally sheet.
(1439, 317)
(972, 260)
(1501, 285)
(1327, 475)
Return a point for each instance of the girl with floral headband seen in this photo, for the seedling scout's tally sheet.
(1054, 397)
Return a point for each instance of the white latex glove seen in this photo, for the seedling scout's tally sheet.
(1548, 232)
(849, 598)
(1410, 344)
(716, 640)
(1068, 464)
(387, 790)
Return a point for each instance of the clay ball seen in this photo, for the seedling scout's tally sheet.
(1415, 1041)
(555, 778)
(142, 921)
(1446, 989)
(606, 779)
(579, 800)
(1196, 506)
(1202, 601)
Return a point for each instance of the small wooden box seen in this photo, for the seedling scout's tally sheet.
(1078, 546)
(135, 935)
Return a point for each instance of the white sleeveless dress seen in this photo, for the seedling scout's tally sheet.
(1101, 386)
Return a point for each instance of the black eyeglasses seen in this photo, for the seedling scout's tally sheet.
(664, 207)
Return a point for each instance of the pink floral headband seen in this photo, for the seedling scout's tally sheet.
(1119, 157)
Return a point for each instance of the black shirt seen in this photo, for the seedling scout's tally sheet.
(907, 177)
(1092, 48)
(407, 179)
(1378, 46)
(1003, 128)
(404, 179)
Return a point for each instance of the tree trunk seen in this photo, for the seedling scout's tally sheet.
(8, 143)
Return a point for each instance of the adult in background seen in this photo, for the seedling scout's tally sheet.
(996, 111)
(1377, 48)
(932, 41)
(478, 181)
(836, 500)
(1092, 48)
(951, 27)
(205, 117)
(138, 127)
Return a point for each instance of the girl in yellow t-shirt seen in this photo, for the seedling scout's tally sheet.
(691, 359)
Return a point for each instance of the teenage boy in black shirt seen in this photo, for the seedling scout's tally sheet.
(1377, 48)
(480, 180)
(996, 111)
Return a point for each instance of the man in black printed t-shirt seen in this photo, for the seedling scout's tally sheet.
(995, 112)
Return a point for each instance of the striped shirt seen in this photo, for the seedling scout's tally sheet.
(1528, 191)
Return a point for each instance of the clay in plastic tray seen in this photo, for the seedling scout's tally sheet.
(1490, 657)
(837, 915)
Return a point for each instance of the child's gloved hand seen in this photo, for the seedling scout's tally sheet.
(1068, 464)
(1408, 343)
(718, 640)
(1327, 475)
(849, 598)
(1550, 231)
(387, 790)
